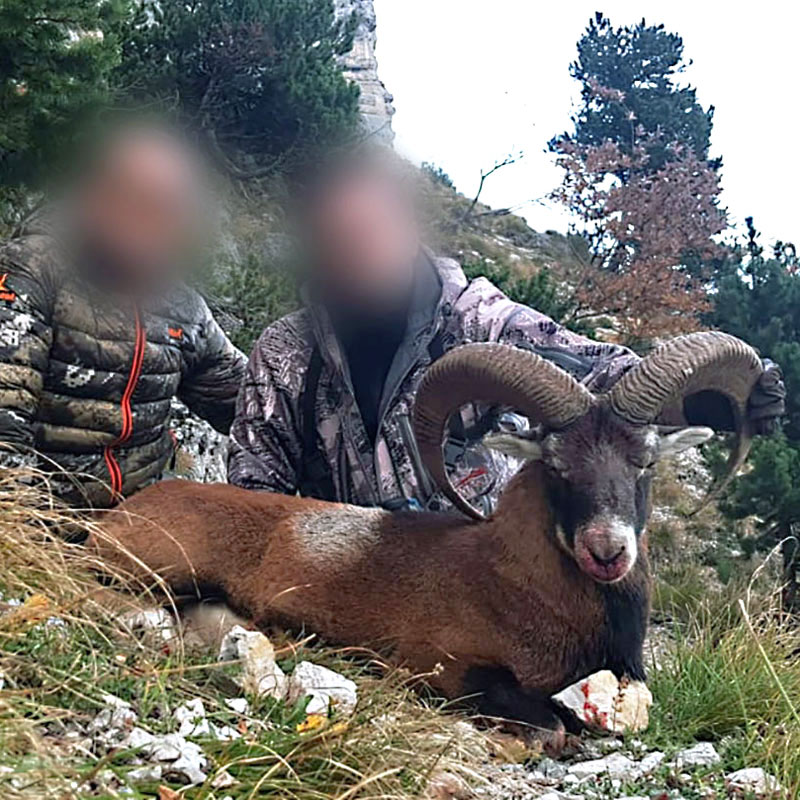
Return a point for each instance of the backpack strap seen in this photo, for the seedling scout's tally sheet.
(316, 474)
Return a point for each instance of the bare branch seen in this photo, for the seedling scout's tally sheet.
(511, 158)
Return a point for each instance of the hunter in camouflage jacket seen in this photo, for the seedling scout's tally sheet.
(86, 382)
(267, 448)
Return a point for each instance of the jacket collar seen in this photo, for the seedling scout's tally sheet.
(436, 292)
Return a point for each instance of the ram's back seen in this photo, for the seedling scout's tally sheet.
(341, 570)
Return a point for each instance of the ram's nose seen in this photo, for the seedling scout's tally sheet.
(606, 549)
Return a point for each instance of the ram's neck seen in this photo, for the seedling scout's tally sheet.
(525, 525)
(534, 562)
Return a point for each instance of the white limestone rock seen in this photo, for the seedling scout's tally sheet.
(183, 760)
(651, 762)
(223, 780)
(154, 621)
(191, 719)
(702, 754)
(224, 733)
(614, 766)
(327, 689)
(201, 453)
(260, 674)
(165, 748)
(187, 768)
(146, 773)
(604, 704)
(114, 722)
(549, 772)
(753, 782)
(239, 705)
(361, 66)
(138, 738)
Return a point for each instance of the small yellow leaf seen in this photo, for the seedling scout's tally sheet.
(313, 722)
(35, 609)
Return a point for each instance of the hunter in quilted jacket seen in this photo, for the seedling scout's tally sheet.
(98, 334)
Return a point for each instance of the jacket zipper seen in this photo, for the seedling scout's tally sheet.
(114, 470)
(406, 430)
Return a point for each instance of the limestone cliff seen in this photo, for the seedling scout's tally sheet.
(361, 66)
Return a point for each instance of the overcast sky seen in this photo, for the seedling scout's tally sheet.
(474, 81)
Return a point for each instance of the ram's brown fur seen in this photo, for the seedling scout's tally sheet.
(429, 589)
(553, 586)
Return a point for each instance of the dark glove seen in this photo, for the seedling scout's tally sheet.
(767, 402)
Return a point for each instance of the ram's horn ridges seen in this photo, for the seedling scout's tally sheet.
(709, 361)
(492, 374)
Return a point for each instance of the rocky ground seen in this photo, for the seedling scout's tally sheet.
(108, 701)
(149, 752)
(611, 768)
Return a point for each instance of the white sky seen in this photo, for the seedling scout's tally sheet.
(474, 80)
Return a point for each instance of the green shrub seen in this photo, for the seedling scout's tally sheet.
(260, 78)
(253, 293)
(437, 175)
(55, 60)
(540, 290)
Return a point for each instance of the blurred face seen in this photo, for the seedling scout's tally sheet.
(363, 238)
(140, 213)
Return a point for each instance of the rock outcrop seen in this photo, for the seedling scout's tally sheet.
(201, 453)
(361, 66)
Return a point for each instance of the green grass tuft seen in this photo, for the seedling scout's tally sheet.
(733, 677)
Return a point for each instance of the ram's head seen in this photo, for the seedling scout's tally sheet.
(598, 451)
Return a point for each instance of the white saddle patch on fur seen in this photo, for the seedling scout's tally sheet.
(341, 534)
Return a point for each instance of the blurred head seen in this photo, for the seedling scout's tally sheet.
(358, 227)
(139, 207)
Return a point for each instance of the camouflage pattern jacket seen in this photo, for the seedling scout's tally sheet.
(267, 441)
(86, 383)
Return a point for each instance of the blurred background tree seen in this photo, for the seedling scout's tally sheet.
(758, 299)
(259, 78)
(56, 57)
(639, 184)
(629, 77)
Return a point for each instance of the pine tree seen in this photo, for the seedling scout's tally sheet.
(638, 184)
(260, 78)
(629, 91)
(55, 58)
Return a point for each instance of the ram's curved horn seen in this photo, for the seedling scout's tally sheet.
(494, 374)
(710, 361)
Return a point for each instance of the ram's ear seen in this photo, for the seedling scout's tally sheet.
(515, 445)
(678, 441)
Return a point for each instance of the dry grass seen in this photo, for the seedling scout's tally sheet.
(64, 646)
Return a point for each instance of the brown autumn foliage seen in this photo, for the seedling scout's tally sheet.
(644, 228)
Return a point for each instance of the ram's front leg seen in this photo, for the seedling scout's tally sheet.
(498, 695)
